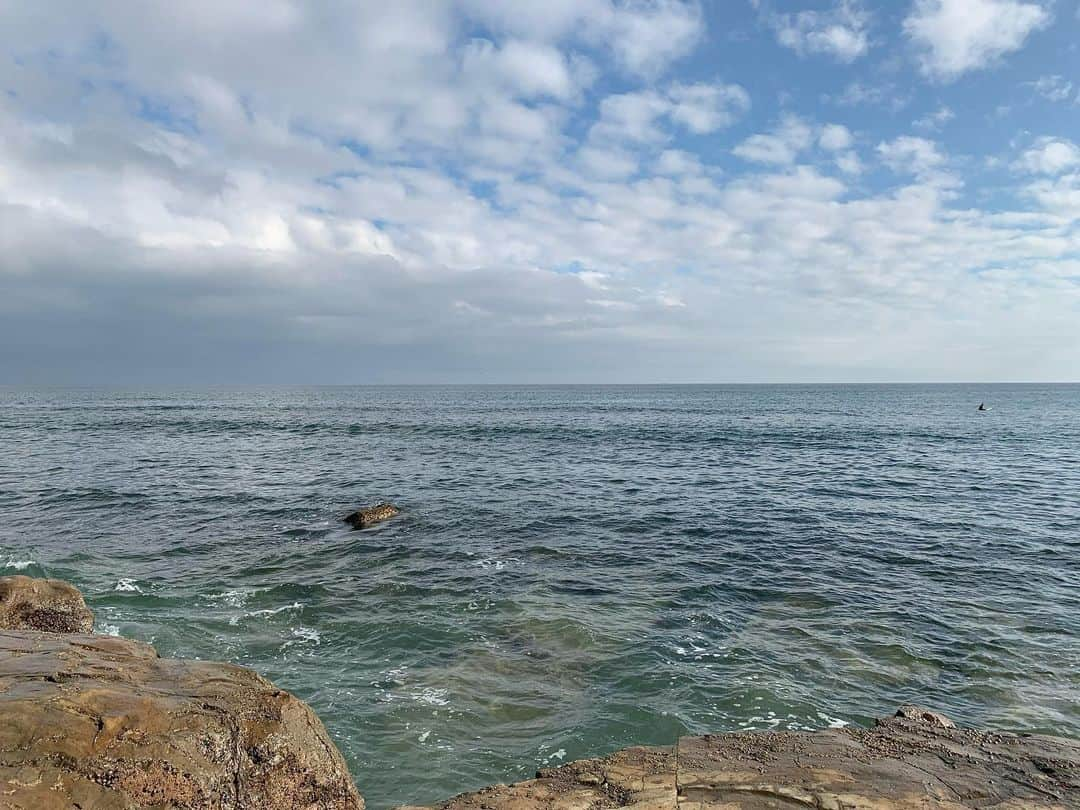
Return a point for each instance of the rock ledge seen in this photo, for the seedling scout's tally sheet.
(917, 760)
(99, 722)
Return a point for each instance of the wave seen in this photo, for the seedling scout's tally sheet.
(296, 607)
(19, 565)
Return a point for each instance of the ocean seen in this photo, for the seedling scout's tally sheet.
(576, 568)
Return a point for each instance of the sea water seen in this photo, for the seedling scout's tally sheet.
(576, 569)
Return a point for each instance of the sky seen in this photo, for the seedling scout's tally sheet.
(438, 191)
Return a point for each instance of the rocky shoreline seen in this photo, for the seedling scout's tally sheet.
(92, 721)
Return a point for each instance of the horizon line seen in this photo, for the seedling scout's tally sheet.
(747, 384)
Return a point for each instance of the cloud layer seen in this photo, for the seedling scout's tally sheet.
(479, 190)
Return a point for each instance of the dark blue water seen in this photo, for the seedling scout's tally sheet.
(577, 568)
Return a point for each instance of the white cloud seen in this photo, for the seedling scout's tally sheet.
(849, 163)
(607, 163)
(934, 120)
(647, 35)
(840, 32)
(643, 36)
(1050, 156)
(1059, 196)
(528, 69)
(919, 157)
(835, 137)
(958, 36)
(698, 108)
(702, 108)
(677, 162)
(781, 146)
(858, 94)
(1052, 88)
(838, 140)
(632, 117)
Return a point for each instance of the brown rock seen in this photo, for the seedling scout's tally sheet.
(104, 723)
(917, 760)
(49, 605)
(363, 518)
(924, 716)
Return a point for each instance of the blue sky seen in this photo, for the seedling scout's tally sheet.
(573, 190)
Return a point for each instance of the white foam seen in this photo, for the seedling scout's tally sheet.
(758, 721)
(560, 755)
(110, 629)
(834, 722)
(19, 565)
(127, 586)
(423, 737)
(232, 598)
(255, 614)
(497, 565)
(433, 697)
(305, 635)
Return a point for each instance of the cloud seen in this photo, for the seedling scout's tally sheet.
(1050, 156)
(698, 108)
(838, 140)
(955, 37)
(835, 137)
(1058, 196)
(1052, 88)
(703, 108)
(469, 198)
(632, 117)
(648, 35)
(782, 146)
(528, 69)
(849, 163)
(643, 36)
(934, 120)
(919, 157)
(858, 94)
(840, 32)
(607, 162)
(675, 162)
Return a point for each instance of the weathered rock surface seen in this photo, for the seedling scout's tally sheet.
(103, 723)
(50, 605)
(362, 518)
(917, 760)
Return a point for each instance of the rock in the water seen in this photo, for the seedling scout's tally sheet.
(362, 518)
(917, 760)
(49, 605)
(99, 722)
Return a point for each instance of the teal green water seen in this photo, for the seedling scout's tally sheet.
(576, 568)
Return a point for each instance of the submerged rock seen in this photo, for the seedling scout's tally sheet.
(99, 722)
(362, 518)
(49, 605)
(917, 760)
